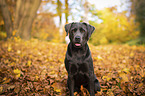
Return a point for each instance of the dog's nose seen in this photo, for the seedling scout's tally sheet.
(77, 38)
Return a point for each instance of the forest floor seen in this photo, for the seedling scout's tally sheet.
(37, 68)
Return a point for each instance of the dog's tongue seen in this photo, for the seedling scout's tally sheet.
(78, 44)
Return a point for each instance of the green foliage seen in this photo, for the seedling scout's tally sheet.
(114, 28)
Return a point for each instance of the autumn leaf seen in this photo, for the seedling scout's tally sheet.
(106, 77)
(37, 67)
(124, 77)
(17, 72)
(18, 51)
(1, 89)
(11, 87)
(56, 88)
(29, 63)
(9, 48)
(126, 70)
(6, 80)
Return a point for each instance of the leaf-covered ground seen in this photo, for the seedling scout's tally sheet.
(37, 68)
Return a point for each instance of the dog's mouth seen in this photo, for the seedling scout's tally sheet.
(77, 44)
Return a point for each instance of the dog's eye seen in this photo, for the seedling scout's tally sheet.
(74, 30)
(82, 30)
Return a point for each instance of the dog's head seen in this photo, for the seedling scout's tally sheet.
(79, 33)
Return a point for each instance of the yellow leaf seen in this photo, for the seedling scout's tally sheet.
(137, 66)
(106, 78)
(17, 39)
(58, 90)
(124, 77)
(29, 63)
(1, 89)
(56, 87)
(18, 75)
(131, 54)
(52, 72)
(9, 48)
(13, 63)
(17, 72)
(11, 87)
(6, 80)
(36, 78)
(141, 84)
(18, 51)
(1, 22)
(61, 60)
(99, 57)
(124, 88)
(14, 32)
(126, 70)
(51, 67)
(110, 93)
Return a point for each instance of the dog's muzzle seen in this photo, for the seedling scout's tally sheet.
(77, 41)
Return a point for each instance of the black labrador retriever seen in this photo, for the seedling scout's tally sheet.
(78, 60)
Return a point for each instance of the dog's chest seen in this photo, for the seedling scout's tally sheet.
(78, 66)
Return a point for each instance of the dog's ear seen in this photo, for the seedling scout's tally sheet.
(67, 28)
(90, 30)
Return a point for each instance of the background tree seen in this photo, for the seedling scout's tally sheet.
(138, 9)
(66, 11)
(115, 27)
(86, 11)
(25, 13)
(24, 16)
(59, 11)
(18, 16)
(6, 17)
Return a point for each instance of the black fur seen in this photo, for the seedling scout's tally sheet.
(78, 60)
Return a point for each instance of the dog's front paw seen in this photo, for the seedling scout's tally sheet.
(97, 86)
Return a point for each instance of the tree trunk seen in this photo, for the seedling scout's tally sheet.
(86, 8)
(25, 13)
(7, 18)
(59, 11)
(138, 7)
(66, 11)
(142, 30)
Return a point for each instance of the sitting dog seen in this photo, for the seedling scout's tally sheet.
(78, 60)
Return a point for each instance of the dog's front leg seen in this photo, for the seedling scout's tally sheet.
(91, 85)
(71, 85)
